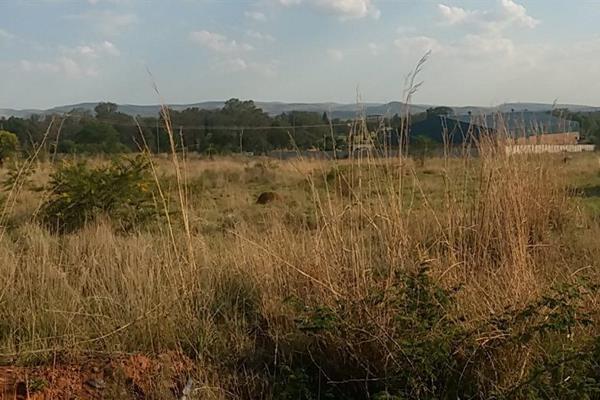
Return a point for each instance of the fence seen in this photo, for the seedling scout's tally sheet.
(548, 148)
(458, 151)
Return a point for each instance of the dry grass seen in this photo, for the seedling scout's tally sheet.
(502, 229)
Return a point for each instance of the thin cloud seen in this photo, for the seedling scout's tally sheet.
(287, 3)
(241, 65)
(108, 23)
(456, 15)
(488, 45)
(508, 13)
(95, 50)
(217, 42)
(343, 9)
(518, 13)
(233, 65)
(255, 16)
(375, 49)
(418, 44)
(117, 2)
(335, 55)
(64, 66)
(265, 37)
(487, 36)
(5, 35)
(403, 30)
(78, 62)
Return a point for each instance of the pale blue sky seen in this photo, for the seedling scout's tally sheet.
(484, 52)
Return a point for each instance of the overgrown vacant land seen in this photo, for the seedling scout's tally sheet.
(371, 278)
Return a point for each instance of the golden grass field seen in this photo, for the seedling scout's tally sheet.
(266, 300)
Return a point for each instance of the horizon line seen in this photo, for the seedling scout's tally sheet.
(379, 103)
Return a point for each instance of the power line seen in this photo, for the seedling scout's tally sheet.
(214, 127)
(226, 128)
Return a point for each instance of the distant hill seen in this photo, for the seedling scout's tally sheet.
(337, 110)
(272, 108)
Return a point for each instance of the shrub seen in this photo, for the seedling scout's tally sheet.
(9, 144)
(566, 369)
(431, 355)
(79, 194)
(422, 148)
(18, 174)
(339, 349)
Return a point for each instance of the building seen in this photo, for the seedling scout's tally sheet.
(444, 129)
(529, 127)
(512, 128)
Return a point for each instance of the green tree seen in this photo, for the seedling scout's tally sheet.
(9, 144)
(422, 147)
(98, 137)
(279, 138)
(442, 110)
(105, 109)
(306, 128)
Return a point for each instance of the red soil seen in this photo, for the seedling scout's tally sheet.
(132, 377)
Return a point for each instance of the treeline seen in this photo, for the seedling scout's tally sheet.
(589, 123)
(240, 126)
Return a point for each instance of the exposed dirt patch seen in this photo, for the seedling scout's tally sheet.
(133, 377)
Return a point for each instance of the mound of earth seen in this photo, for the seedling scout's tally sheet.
(268, 197)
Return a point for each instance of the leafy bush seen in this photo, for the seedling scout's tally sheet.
(79, 194)
(427, 354)
(9, 144)
(566, 369)
(18, 174)
(340, 349)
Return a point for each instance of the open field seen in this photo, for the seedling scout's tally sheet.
(384, 279)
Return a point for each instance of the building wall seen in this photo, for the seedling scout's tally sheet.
(548, 148)
(566, 138)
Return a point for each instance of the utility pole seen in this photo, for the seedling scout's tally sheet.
(241, 141)
(294, 132)
(157, 139)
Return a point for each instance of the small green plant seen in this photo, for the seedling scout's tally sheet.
(569, 373)
(18, 173)
(298, 384)
(36, 385)
(317, 319)
(79, 194)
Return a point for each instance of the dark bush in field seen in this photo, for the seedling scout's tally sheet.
(80, 193)
(427, 354)
(267, 197)
(9, 144)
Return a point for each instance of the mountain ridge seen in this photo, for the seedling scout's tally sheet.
(337, 110)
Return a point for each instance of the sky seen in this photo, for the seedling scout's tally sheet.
(482, 52)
